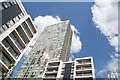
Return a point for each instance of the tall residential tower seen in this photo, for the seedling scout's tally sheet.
(16, 31)
(53, 44)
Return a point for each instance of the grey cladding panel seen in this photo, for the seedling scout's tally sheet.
(67, 72)
(10, 13)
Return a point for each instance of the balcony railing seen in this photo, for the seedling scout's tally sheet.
(53, 65)
(52, 70)
(85, 74)
(50, 76)
(84, 68)
(84, 62)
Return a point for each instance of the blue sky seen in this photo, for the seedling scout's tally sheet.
(94, 43)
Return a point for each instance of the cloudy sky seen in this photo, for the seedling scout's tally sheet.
(94, 25)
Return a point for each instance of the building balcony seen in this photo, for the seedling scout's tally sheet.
(84, 75)
(52, 70)
(50, 76)
(84, 62)
(53, 65)
(84, 68)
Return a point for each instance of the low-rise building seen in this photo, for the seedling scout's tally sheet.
(80, 69)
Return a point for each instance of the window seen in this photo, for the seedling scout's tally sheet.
(1, 30)
(14, 1)
(38, 52)
(21, 35)
(8, 4)
(20, 15)
(31, 26)
(9, 48)
(11, 3)
(11, 22)
(40, 72)
(9, 25)
(25, 75)
(15, 40)
(33, 74)
(33, 61)
(1, 7)
(5, 59)
(5, 27)
(26, 30)
(45, 62)
(14, 19)
(17, 18)
(5, 5)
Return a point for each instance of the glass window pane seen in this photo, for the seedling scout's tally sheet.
(31, 26)
(16, 41)
(5, 27)
(5, 5)
(21, 35)
(20, 16)
(5, 59)
(11, 3)
(1, 30)
(14, 1)
(14, 19)
(9, 25)
(26, 30)
(17, 18)
(1, 7)
(8, 4)
(9, 48)
(11, 22)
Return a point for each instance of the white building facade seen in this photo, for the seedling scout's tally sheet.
(80, 69)
(16, 31)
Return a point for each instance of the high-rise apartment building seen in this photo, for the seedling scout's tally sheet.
(53, 44)
(16, 31)
(114, 74)
(80, 69)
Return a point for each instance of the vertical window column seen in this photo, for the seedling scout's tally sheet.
(18, 37)
(22, 34)
(31, 25)
(27, 30)
(1, 30)
(10, 48)
(6, 52)
(14, 46)
(16, 41)
(5, 59)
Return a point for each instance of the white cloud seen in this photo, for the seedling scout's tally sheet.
(42, 21)
(111, 65)
(105, 16)
(102, 72)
